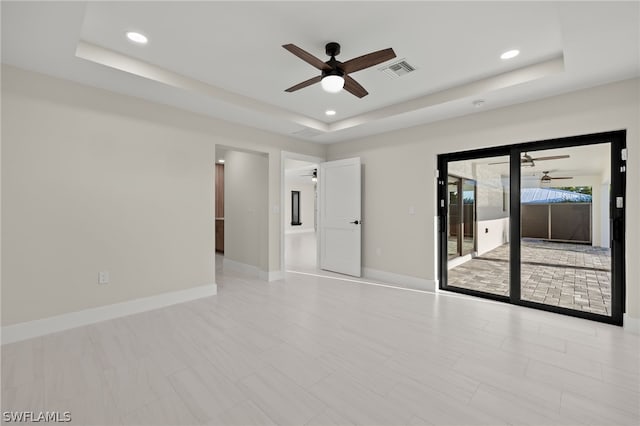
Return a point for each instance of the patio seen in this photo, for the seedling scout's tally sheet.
(573, 276)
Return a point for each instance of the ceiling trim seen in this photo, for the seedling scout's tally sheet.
(122, 62)
(475, 88)
(107, 57)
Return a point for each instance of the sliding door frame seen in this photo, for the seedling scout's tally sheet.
(617, 141)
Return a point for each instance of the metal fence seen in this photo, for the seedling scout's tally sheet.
(557, 221)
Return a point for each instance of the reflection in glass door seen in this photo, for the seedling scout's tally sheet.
(478, 225)
(453, 234)
(461, 213)
(565, 255)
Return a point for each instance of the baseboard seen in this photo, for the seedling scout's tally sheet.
(400, 280)
(630, 324)
(273, 275)
(299, 231)
(241, 267)
(251, 270)
(41, 327)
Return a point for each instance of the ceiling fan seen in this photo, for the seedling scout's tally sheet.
(546, 179)
(313, 174)
(335, 74)
(527, 160)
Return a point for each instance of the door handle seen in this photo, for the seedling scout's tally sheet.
(355, 222)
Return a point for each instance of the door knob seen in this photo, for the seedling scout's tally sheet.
(355, 222)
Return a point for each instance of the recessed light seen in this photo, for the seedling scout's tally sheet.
(330, 112)
(137, 37)
(510, 54)
(221, 161)
(478, 103)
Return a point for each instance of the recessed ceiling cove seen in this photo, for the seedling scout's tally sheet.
(225, 59)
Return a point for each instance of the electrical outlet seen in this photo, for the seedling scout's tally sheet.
(103, 277)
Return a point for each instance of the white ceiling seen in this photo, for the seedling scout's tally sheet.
(225, 59)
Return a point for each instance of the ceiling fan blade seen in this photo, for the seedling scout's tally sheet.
(553, 157)
(368, 60)
(306, 56)
(501, 162)
(306, 83)
(561, 177)
(353, 87)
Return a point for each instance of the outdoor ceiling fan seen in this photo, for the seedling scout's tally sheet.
(546, 179)
(335, 74)
(527, 160)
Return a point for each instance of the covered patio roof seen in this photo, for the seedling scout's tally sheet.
(552, 195)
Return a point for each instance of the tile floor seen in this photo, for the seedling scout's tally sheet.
(573, 276)
(300, 251)
(311, 350)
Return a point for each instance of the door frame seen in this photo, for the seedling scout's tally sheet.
(617, 140)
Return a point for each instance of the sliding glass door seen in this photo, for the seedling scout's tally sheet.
(565, 249)
(539, 224)
(478, 225)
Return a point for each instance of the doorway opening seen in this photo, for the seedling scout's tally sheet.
(539, 224)
(332, 224)
(241, 211)
(300, 215)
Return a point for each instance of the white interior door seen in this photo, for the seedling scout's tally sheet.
(339, 218)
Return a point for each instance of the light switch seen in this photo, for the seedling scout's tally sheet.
(103, 277)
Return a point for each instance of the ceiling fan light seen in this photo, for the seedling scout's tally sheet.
(545, 180)
(332, 83)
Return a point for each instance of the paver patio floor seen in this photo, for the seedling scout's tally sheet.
(573, 276)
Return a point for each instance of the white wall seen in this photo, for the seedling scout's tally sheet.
(93, 181)
(307, 205)
(399, 168)
(598, 220)
(246, 209)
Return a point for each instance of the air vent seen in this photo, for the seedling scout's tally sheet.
(398, 69)
(307, 133)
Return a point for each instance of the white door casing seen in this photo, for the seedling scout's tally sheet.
(339, 184)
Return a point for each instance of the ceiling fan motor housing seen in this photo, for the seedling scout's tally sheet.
(335, 70)
(332, 49)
